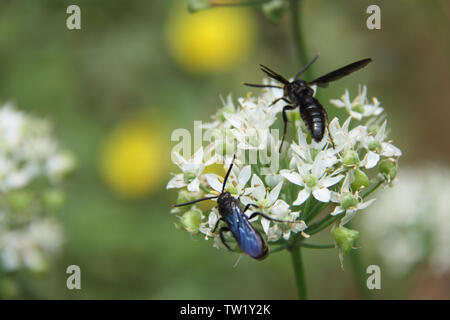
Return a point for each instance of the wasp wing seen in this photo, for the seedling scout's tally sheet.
(340, 73)
(248, 239)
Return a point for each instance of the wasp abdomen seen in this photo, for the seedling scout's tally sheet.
(314, 116)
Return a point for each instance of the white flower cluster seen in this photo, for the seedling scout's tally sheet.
(31, 168)
(290, 184)
(410, 226)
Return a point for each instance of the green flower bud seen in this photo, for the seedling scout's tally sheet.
(350, 157)
(311, 181)
(358, 108)
(20, 200)
(191, 220)
(53, 199)
(231, 188)
(274, 10)
(375, 145)
(197, 5)
(388, 168)
(361, 180)
(349, 200)
(189, 176)
(185, 196)
(345, 238)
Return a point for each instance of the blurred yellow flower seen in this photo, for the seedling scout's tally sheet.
(131, 160)
(212, 40)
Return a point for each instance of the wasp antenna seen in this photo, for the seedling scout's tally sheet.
(307, 66)
(194, 201)
(228, 173)
(273, 74)
(260, 85)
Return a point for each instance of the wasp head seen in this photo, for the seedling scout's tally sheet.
(296, 89)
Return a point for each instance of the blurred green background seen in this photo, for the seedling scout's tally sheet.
(126, 67)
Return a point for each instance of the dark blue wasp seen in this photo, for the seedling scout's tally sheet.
(248, 238)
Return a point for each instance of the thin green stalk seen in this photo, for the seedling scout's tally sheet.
(372, 188)
(322, 224)
(359, 272)
(295, 251)
(299, 273)
(298, 36)
(303, 245)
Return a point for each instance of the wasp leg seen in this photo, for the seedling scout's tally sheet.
(222, 238)
(250, 205)
(276, 100)
(217, 224)
(254, 214)
(285, 120)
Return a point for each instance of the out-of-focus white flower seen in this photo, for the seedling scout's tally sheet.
(28, 151)
(410, 224)
(29, 246)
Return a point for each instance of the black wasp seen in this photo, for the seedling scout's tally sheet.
(248, 238)
(299, 93)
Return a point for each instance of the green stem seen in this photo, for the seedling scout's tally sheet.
(299, 273)
(322, 224)
(303, 245)
(359, 271)
(372, 188)
(298, 36)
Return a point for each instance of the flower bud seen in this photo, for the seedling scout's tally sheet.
(345, 238)
(189, 176)
(185, 196)
(350, 157)
(348, 200)
(388, 168)
(19, 200)
(374, 146)
(274, 10)
(53, 199)
(191, 220)
(361, 180)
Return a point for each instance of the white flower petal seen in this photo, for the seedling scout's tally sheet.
(322, 194)
(275, 193)
(176, 182)
(365, 204)
(302, 196)
(213, 181)
(244, 176)
(371, 159)
(194, 185)
(330, 181)
(258, 188)
(265, 223)
(293, 177)
(390, 150)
